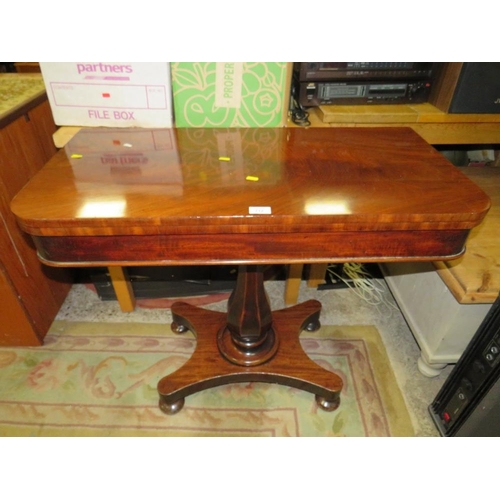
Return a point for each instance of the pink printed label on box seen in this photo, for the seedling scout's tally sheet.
(109, 94)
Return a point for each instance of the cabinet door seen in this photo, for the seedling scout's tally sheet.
(26, 145)
(21, 155)
(16, 328)
(44, 128)
(38, 290)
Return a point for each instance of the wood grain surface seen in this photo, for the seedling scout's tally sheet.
(31, 294)
(475, 277)
(373, 192)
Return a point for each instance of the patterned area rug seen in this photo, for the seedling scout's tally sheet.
(99, 379)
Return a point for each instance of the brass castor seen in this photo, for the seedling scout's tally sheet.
(177, 328)
(328, 404)
(172, 408)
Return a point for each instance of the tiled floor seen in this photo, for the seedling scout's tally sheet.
(341, 306)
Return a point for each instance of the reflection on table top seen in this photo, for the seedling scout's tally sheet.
(241, 180)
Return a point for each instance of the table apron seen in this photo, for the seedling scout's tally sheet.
(359, 246)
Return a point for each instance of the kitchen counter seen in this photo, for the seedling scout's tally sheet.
(18, 93)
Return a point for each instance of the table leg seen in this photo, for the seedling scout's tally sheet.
(123, 288)
(317, 273)
(248, 344)
(292, 284)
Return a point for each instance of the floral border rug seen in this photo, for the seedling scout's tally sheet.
(99, 379)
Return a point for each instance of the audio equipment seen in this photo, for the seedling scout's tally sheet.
(319, 83)
(314, 71)
(468, 404)
(478, 89)
(379, 92)
(467, 88)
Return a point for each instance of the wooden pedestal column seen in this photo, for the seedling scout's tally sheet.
(248, 344)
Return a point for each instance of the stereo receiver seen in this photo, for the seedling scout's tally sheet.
(319, 93)
(314, 71)
(319, 83)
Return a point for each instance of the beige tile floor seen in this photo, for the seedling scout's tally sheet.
(340, 307)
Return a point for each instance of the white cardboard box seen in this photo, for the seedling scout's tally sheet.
(109, 94)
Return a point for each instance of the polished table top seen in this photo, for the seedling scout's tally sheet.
(247, 195)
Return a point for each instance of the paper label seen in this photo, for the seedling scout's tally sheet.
(228, 81)
(259, 210)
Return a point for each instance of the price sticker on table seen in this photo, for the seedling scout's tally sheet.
(259, 210)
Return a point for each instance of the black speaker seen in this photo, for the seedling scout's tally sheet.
(477, 89)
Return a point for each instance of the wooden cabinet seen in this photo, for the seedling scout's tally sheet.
(30, 293)
(446, 82)
(27, 67)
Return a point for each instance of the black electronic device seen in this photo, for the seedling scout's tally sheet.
(477, 89)
(367, 92)
(321, 83)
(468, 404)
(321, 71)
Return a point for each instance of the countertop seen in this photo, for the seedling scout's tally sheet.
(19, 92)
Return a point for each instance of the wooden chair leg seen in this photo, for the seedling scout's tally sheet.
(293, 278)
(123, 288)
(317, 273)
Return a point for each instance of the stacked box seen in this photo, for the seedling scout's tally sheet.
(109, 94)
(231, 94)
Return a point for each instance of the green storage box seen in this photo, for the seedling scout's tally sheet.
(237, 94)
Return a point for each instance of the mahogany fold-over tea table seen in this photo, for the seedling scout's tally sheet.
(252, 197)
